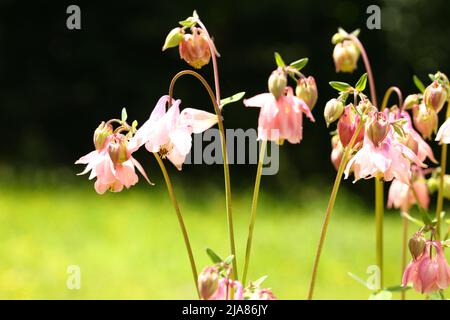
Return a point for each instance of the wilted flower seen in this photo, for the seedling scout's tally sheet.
(345, 56)
(435, 96)
(169, 133)
(307, 91)
(348, 124)
(280, 118)
(333, 110)
(195, 49)
(428, 273)
(443, 134)
(425, 120)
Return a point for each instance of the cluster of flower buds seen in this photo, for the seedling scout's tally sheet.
(214, 283)
(195, 47)
(346, 52)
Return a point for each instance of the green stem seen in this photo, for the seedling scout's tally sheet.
(440, 198)
(388, 93)
(180, 219)
(253, 211)
(404, 252)
(330, 207)
(379, 213)
(224, 155)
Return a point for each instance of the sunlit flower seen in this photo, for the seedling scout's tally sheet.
(425, 120)
(169, 133)
(443, 135)
(337, 151)
(262, 294)
(227, 288)
(345, 55)
(402, 197)
(307, 91)
(281, 118)
(428, 273)
(347, 125)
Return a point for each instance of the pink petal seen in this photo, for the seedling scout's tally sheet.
(259, 100)
(198, 120)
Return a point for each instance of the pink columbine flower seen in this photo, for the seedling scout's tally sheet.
(428, 273)
(402, 197)
(443, 135)
(280, 118)
(169, 132)
(224, 289)
(386, 157)
(112, 164)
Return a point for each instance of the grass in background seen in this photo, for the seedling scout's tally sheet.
(128, 245)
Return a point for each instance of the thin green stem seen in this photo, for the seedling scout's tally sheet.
(330, 207)
(379, 213)
(387, 95)
(180, 219)
(224, 155)
(253, 211)
(404, 252)
(440, 197)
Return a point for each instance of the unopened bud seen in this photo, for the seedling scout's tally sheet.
(208, 281)
(345, 56)
(194, 48)
(435, 96)
(378, 128)
(411, 101)
(348, 124)
(101, 134)
(425, 119)
(277, 82)
(408, 140)
(118, 149)
(417, 245)
(333, 110)
(307, 91)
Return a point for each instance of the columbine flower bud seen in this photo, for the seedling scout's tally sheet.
(307, 91)
(435, 96)
(425, 120)
(333, 110)
(277, 82)
(117, 149)
(345, 55)
(378, 128)
(348, 124)
(417, 245)
(103, 131)
(208, 281)
(194, 48)
(408, 140)
(411, 101)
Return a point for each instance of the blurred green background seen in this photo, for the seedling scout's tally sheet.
(56, 85)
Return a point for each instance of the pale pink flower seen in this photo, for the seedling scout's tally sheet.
(388, 158)
(402, 197)
(224, 289)
(111, 175)
(443, 135)
(280, 118)
(169, 132)
(428, 273)
(262, 294)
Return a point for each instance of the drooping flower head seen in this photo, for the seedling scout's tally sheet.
(435, 96)
(281, 114)
(347, 125)
(345, 56)
(111, 163)
(425, 120)
(428, 273)
(307, 91)
(169, 132)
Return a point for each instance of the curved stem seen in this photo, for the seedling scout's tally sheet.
(253, 211)
(404, 252)
(387, 95)
(373, 93)
(440, 198)
(330, 207)
(379, 213)
(180, 219)
(224, 155)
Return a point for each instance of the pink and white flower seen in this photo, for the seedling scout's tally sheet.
(443, 135)
(169, 132)
(402, 197)
(228, 288)
(280, 118)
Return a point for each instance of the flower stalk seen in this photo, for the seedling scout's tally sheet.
(440, 197)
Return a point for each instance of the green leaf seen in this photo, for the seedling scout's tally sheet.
(279, 60)
(173, 38)
(431, 76)
(413, 220)
(356, 32)
(382, 295)
(189, 22)
(398, 288)
(229, 259)
(299, 64)
(134, 124)
(361, 84)
(234, 98)
(215, 258)
(124, 115)
(340, 86)
(418, 83)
